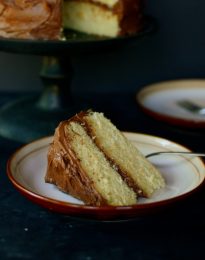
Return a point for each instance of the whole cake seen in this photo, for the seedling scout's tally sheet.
(93, 161)
(46, 19)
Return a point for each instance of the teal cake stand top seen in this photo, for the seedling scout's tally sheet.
(72, 42)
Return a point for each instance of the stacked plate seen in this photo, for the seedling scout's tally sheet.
(178, 102)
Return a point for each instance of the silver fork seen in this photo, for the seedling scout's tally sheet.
(190, 106)
(191, 154)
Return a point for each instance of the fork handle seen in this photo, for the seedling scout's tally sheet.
(177, 153)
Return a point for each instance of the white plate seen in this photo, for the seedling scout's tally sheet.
(160, 100)
(27, 168)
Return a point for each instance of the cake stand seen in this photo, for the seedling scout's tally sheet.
(30, 118)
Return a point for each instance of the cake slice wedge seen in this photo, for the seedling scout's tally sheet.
(94, 162)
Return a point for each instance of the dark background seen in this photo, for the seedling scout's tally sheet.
(176, 50)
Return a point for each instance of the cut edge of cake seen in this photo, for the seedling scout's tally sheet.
(134, 168)
(108, 18)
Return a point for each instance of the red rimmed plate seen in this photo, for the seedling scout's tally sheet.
(161, 101)
(27, 166)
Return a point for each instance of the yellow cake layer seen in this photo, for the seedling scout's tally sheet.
(90, 18)
(106, 180)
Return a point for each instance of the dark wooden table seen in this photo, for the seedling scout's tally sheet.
(28, 231)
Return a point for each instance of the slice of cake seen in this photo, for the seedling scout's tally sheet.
(46, 19)
(94, 162)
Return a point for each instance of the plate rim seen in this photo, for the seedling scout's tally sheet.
(97, 212)
(184, 122)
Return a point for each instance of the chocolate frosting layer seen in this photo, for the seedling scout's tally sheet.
(64, 170)
(132, 20)
(30, 19)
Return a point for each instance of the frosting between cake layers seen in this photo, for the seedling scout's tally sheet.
(109, 3)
